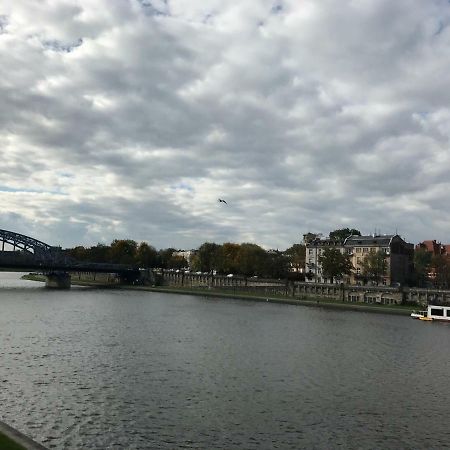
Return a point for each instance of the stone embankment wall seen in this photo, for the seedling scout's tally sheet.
(345, 293)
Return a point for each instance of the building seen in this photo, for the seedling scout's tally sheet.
(434, 247)
(315, 246)
(186, 254)
(399, 258)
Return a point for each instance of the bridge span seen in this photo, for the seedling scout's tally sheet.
(20, 252)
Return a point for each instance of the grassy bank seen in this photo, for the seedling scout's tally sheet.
(7, 444)
(318, 301)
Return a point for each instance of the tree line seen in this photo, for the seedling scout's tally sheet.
(244, 259)
(250, 259)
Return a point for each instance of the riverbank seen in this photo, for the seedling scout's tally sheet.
(317, 302)
(206, 292)
(11, 439)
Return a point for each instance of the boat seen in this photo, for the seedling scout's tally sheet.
(418, 314)
(433, 312)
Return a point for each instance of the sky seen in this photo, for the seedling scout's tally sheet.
(129, 119)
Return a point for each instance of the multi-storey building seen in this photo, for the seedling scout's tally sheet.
(398, 253)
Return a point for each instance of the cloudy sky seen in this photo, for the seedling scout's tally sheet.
(130, 118)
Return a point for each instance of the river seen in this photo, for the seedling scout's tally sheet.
(118, 369)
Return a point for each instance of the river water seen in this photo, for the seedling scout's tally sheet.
(117, 369)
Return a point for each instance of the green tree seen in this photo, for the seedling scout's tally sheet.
(335, 264)
(208, 257)
(146, 255)
(422, 265)
(343, 233)
(123, 251)
(164, 257)
(276, 264)
(251, 260)
(79, 253)
(99, 253)
(374, 266)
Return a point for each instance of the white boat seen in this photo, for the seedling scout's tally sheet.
(433, 312)
(418, 314)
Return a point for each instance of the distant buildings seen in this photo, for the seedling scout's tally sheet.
(398, 256)
(436, 248)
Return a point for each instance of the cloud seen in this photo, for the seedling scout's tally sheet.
(129, 119)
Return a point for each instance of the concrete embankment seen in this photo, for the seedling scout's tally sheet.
(11, 439)
(253, 296)
(319, 302)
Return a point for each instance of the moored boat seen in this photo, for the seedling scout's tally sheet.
(433, 312)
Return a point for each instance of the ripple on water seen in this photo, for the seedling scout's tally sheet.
(134, 370)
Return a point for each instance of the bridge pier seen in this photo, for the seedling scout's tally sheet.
(57, 280)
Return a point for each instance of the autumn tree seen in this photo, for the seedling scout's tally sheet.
(335, 264)
(229, 258)
(440, 265)
(296, 256)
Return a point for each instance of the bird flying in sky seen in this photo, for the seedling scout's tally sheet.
(221, 200)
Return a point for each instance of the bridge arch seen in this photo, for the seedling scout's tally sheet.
(25, 243)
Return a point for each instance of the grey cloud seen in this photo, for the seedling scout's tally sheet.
(325, 115)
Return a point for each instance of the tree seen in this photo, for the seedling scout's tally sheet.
(146, 255)
(374, 266)
(335, 264)
(123, 251)
(228, 259)
(177, 262)
(276, 264)
(341, 234)
(422, 264)
(164, 256)
(207, 258)
(440, 265)
(99, 253)
(296, 256)
(251, 259)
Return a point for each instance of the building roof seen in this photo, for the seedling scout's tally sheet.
(370, 240)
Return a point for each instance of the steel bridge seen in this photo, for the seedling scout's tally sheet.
(20, 252)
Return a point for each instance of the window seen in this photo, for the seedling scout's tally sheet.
(310, 251)
(358, 249)
(358, 270)
(358, 260)
(437, 312)
(365, 250)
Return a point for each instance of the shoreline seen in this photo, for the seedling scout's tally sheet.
(12, 439)
(315, 302)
